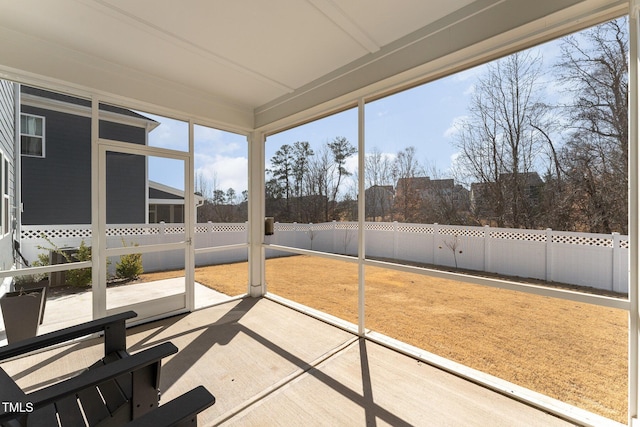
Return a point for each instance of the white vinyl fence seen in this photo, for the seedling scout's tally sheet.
(206, 235)
(584, 259)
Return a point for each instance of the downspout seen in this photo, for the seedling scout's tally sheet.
(17, 167)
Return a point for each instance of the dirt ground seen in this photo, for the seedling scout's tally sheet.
(570, 351)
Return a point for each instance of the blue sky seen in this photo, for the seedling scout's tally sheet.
(423, 117)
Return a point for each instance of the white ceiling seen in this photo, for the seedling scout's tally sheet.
(241, 55)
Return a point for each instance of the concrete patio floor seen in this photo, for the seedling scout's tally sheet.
(268, 364)
(66, 310)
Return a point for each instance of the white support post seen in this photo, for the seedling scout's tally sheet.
(190, 220)
(98, 221)
(634, 209)
(487, 248)
(548, 263)
(361, 215)
(257, 285)
(436, 244)
(395, 239)
(615, 259)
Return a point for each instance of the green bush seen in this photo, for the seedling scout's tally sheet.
(43, 259)
(79, 277)
(130, 266)
(82, 276)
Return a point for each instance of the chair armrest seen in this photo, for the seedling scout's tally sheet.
(93, 377)
(113, 327)
(178, 410)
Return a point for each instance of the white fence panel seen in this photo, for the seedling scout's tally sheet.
(63, 236)
(582, 265)
(320, 237)
(596, 260)
(211, 235)
(413, 242)
(583, 259)
(148, 234)
(345, 238)
(461, 246)
(519, 253)
(377, 240)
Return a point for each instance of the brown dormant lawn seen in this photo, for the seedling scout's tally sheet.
(570, 351)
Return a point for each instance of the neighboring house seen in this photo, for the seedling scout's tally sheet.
(424, 193)
(55, 147)
(531, 181)
(56, 164)
(484, 194)
(56, 160)
(166, 204)
(378, 202)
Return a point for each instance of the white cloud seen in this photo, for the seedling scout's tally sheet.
(454, 157)
(351, 164)
(223, 171)
(207, 134)
(454, 128)
(170, 133)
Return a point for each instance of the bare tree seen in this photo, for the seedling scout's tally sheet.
(379, 197)
(407, 196)
(319, 182)
(594, 70)
(445, 201)
(498, 141)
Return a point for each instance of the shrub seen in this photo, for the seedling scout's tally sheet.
(43, 259)
(81, 276)
(78, 277)
(130, 266)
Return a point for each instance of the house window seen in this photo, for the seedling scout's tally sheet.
(166, 213)
(31, 135)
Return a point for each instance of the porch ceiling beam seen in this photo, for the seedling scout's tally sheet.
(339, 18)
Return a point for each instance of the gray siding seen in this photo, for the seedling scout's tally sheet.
(7, 132)
(56, 189)
(154, 193)
(126, 176)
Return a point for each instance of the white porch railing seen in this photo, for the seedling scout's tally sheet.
(585, 259)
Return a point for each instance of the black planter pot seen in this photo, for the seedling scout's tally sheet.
(21, 311)
(36, 285)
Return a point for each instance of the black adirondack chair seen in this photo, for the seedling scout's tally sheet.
(115, 390)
